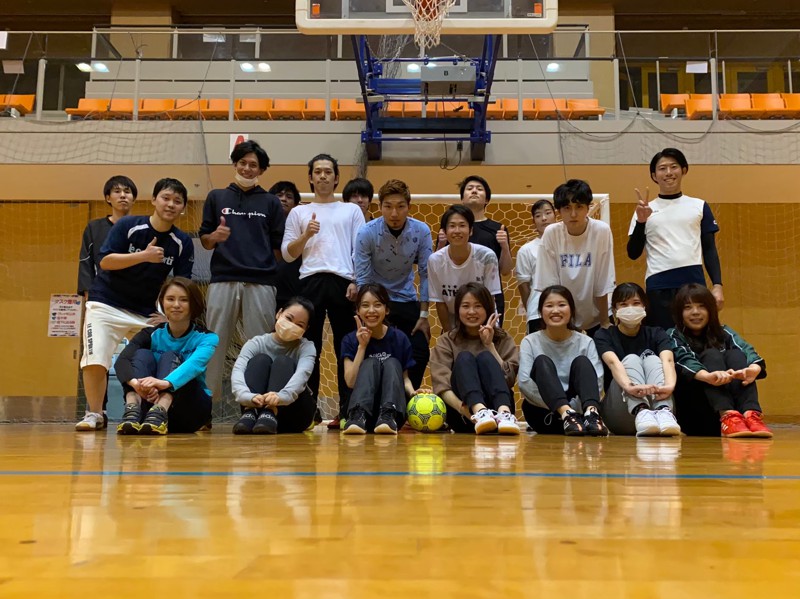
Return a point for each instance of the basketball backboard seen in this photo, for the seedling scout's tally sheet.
(393, 17)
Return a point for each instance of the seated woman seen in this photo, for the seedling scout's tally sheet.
(474, 366)
(716, 356)
(376, 362)
(639, 369)
(559, 368)
(270, 375)
(162, 370)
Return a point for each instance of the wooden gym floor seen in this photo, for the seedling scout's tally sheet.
(320, 515)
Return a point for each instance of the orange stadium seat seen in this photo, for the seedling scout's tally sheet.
(314, 109)
(551, 108)
(90, 108)
(218, 109)
(253, 109)
(348, 109)
(394, 109)
(21, 103)
(455, 110)
(769, 106)
(287, 109)
(585, 108)
(414, 109)
(120, 108)
(699, 108)
(494, 110)
(189, 108)
(156, 108)
(511, 109)
(792, 105)
(736, 106)
(670, 102)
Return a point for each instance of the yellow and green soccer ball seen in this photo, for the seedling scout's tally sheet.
(426, 412)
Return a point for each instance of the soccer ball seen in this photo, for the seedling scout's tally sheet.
(426, 412)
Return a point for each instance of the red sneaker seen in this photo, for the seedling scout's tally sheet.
(734, 425)
(334, 424)
(756, 425)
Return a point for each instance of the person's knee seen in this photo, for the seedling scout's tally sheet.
(713, 359)
(735, 358)
(465, 359)
(543, 361)
(582, 362)
(632, 360)
(392, 364)
(485, 359)
(284, 362)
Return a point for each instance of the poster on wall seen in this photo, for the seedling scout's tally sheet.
(64, 316)
(237, 138)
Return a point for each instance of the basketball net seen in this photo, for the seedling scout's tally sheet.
(428, 16)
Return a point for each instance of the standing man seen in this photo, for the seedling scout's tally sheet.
(578, 253)
(323, 233)
(386, 250)
(243, 224)
(679, 234)
(360, 192)
(543, 214)
(288, 276)
(458, 263)
(136, 258)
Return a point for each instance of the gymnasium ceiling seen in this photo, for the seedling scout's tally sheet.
(630, 14)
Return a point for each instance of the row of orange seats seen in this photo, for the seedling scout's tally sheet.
(734, 106)
(21, 103)
(314, 109)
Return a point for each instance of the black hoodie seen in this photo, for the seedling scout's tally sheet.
(256, 220)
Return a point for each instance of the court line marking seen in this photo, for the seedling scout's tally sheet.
(310, 474)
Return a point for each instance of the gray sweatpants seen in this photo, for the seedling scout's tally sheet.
(618, 405)
(225, 304)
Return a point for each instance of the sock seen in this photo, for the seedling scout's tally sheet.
(638, 408)
(589, 410)
(567, 413)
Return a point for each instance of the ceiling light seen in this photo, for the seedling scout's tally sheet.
(247, 67)
(100, 67)
(85, 67)
(264, 67)
(553, 67)
(413, 68)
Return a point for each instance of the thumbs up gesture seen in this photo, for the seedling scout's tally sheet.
(152, 253)
(222, 232)
(502, 237)
(313, 226)
(643, 209)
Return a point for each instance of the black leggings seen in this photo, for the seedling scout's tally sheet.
(582, 383)
(265, 374)
(379, 385)
(404, 315)
(474, 380)
(734, 395)
(191, 405)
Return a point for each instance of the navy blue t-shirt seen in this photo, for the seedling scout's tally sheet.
(395, 344)
(136, 288)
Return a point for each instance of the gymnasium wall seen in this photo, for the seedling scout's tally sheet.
(44, 208)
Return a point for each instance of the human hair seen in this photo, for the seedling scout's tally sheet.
(460, 210)
(284, 186)
(327, 157)
(247, 147)
(574, 191)
(197, 304)
(541, 204)
(625, 291)
(172, 185)
(119, 181)
(693, 293)
(299, 300)
(394, 187)
(673, 153)
(358, 187)
(567, 295)
(485, 298)
(463, 185)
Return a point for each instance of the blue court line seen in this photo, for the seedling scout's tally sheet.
(306, 474)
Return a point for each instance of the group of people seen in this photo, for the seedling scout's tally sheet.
(597, 357)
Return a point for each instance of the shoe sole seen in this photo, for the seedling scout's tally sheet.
(146, 429)
(87, 427)
(653, 431)
(738, 435)
(384, 429)
(128, 428)
(574, 434)
(761, 434)
(263, 430)
(482, 428)
(508, 430)
(595, 433)
(242, 430)
(354, 430)
(671, 431)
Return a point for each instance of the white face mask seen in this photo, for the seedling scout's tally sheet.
(631, 316)
(244, 182)
(288, 331)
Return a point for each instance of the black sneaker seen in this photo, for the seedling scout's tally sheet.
(131, 420)
(266, 423)
(155, 423)
(594, 425)
(356, 422)
(246, 423)
(386, 424)
(573, 427)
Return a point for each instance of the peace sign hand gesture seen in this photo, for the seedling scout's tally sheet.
(486, 332)
(643, 209)
(363, 334)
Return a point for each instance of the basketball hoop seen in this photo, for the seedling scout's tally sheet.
(428, 16)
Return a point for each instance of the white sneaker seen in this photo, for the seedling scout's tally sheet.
(506, 423)
(647, 424)
(484, 421)
(92, 421)
(667, 424)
